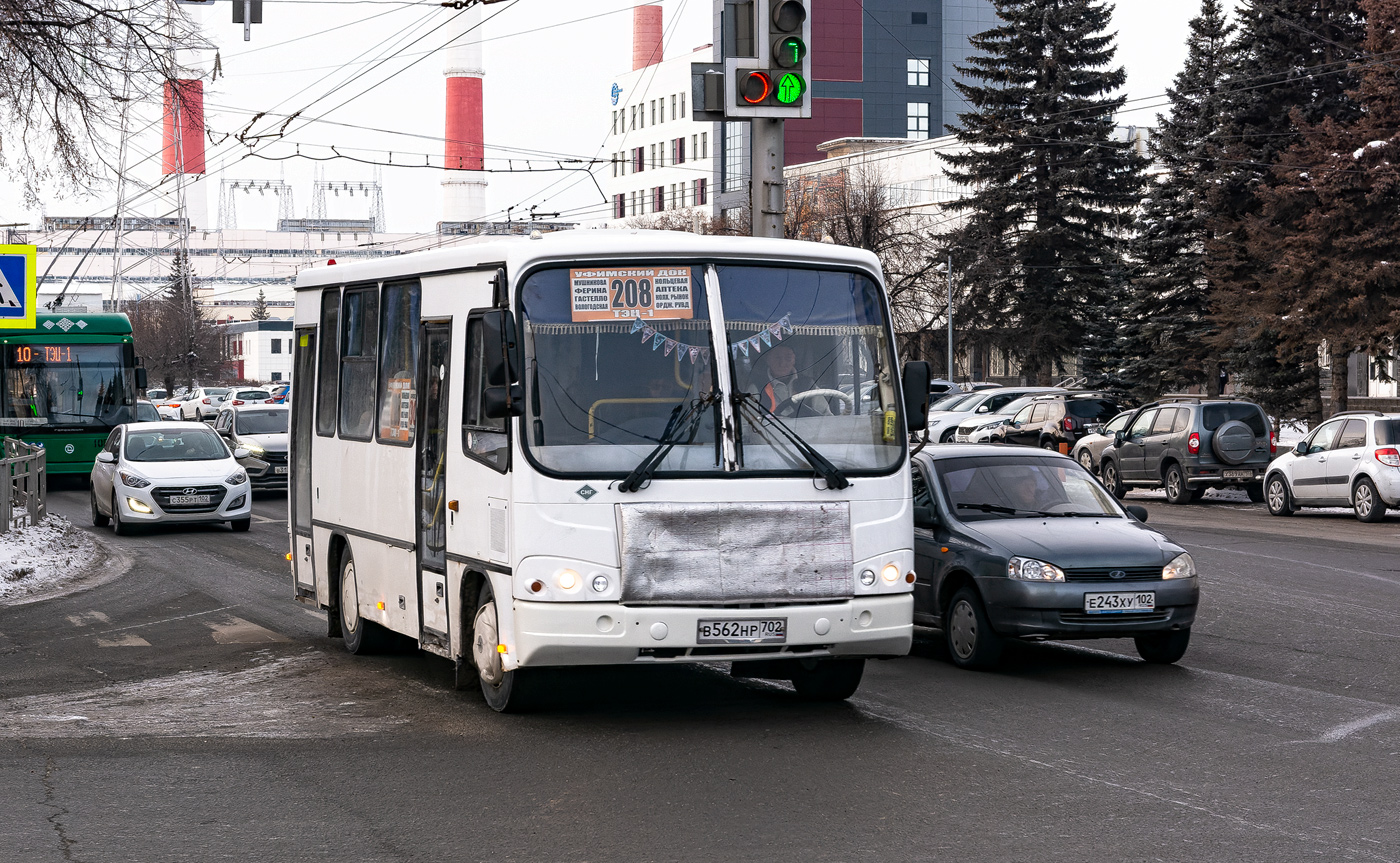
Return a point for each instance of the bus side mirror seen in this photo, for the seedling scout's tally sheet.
(504, 401)
(917, 375)
(925, 517)
(140, 378)
(500, 353)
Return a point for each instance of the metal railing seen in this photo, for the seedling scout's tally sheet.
(24, 481)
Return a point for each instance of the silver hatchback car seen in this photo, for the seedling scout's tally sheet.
(1353, 460)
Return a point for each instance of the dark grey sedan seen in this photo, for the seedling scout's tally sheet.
(1026, 544)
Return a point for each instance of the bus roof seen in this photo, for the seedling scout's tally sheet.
(517, 253)
(54, 326)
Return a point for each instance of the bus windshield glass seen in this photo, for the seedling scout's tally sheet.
(621, 360)
(65, 385)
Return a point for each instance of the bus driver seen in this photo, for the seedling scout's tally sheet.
(784, 382)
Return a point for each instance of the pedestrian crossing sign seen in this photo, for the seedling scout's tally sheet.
(19, 288)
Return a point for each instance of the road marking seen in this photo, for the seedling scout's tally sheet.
(88, 617)
(127, 639)
(262, 519)
(142, 625)
(1303, 562)
(1346, 729)
(236, 630)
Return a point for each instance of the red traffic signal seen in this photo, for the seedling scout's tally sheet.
(755, 87)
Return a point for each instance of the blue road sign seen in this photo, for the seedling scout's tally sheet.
(19, 288)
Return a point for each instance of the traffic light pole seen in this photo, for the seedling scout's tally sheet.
(767, 190)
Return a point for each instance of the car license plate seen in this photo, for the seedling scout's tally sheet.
(185, 499)
(1118, 603)
(280, 469)
(1239, 474)
(772, 630)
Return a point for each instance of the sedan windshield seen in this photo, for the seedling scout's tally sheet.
(261, 422)
(957, 402)
(175, 445)
(986, 487)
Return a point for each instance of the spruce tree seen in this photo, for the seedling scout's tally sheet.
(260, 312)
(1167, 336)
(1039, 240)
(1327, 222)
(1291, 64)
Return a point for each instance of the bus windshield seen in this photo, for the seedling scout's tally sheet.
(52, 385)
(622, 359)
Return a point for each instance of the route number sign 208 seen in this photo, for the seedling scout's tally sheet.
(630, 293)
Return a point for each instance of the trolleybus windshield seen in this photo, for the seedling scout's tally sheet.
(64, 385)
(619, 358)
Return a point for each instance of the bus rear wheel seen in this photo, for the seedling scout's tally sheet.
(504, 691)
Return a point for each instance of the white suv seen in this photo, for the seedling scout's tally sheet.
(202, 403)
(1353, 460)
(943, 424)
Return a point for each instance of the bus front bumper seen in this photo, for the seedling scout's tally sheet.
(594, 633)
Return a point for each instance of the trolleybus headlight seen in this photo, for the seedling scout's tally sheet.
(600, 583)
(867, 577)
(890, 573)
(567, 579)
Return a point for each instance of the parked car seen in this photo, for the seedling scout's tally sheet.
(156, 395)
(202, 402)
(984, 427)
(235, 397)
(943, 427)
(261, 430)
(1089, 451)
(169, 410)
(146, 412)
(1058, 420)
(1014, 543)
(1188, 445)
(281, 393)
(1352, 459)
(152, 473)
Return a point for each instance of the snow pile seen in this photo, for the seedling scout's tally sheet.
(1361, 151)
(43, 558)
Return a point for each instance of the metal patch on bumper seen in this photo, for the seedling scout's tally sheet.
(738, 552)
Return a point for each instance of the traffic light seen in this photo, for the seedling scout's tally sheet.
(774, 83)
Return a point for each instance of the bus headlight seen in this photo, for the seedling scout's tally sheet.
(867, 577)
(600, 583)
(567, 580)
(890, 573)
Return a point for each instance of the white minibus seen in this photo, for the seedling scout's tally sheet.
(607, 447)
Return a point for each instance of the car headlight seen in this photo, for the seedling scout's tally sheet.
(253, 449)
(238, 477)
(1030, 569)
(990, 426)
(1182, 566)
(132, 480)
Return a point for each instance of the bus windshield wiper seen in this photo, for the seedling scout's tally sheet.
(835, 479)
(681, 426)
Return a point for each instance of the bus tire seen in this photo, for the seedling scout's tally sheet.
(98, 519)
(504, 691)
(361, 636)
(828, 679)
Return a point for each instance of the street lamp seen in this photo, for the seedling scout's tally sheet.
(948, 268)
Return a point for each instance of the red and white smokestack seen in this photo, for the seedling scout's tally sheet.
(464, 187)
(182, 147)
(646, 36)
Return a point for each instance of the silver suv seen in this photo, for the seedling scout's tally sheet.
(1187, 445)
(1350, 460)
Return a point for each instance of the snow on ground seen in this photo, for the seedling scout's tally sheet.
(47, 558)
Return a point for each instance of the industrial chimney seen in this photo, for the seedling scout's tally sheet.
(464, 187)
(182, 146)
(646, 36)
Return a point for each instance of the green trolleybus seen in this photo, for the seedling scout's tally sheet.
(66, 383)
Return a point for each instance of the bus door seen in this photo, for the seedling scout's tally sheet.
(299, 496)
(432, 501)
(480, 532)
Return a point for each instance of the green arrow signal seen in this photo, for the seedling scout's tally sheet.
(790, 88)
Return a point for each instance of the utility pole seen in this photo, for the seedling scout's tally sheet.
(950, 316)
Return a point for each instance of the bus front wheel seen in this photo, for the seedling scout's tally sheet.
(361, 636)
(828, 679)
(504, 691)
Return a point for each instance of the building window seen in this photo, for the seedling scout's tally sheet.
(734, 172)
(276, 347)
(651, 155)
(634, 118)
(918, 72)
(638, 155)
(678, 156)
(700, 197)
(918, 120)
(276, 376)
(619, 207)
(704, 151)
(918, 18)
(653, 112)
(658, 198)
(673, 107)
(682, 106)
(614, 125)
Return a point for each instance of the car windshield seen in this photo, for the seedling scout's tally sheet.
(155, 395)
(147, 413)
(66, 385)
(993, 486)
(261, 422)
(1012, 407)
(175, 445)
(958, 402)
(618, 358)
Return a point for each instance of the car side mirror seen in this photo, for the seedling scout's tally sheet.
(501, 402)
(914, 382)
(982, 409)
(240, 453)
(226, 432)
(1300, 448)
(925, 517)
(1137, 512)
(106, 457)
(1118, 438)
(1015, 424)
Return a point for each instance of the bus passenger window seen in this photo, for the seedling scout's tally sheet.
(483, 438)
(359, 336)
(398, 366)
(328, 378)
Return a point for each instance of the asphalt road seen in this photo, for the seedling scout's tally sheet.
(191, 711)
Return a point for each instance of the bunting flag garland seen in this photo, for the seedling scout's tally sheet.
(647, 333)
(670, 346)
(751, 346)
(637, 324)
(657, 340)
(744, 346)
(694, 352)
(767, 339)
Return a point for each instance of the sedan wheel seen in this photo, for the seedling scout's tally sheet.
(98, 519)
(972, 643)
(1277, 496)
(1086, 460)
(1366, 502)
(1111, 480)
(1175, 484)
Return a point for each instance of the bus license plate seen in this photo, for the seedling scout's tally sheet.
(1118, 603)
(280, 469)
(187, 499)
(772, 630)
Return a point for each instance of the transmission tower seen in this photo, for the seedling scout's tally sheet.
(372, 191)
(229, 189)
